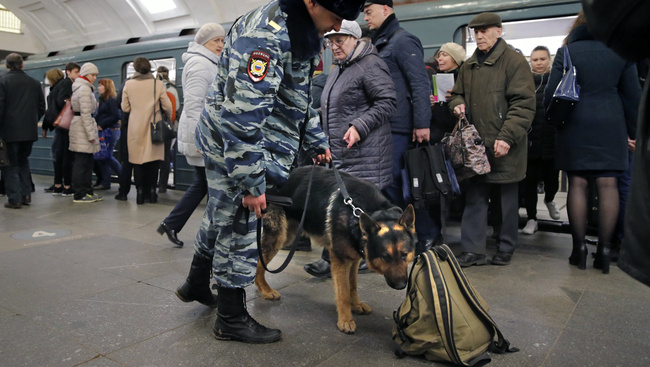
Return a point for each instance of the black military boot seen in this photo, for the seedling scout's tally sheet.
(197, 284)
(234, 322)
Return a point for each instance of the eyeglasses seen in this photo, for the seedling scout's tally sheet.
(338, 42)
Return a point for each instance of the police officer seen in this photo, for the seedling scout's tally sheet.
(256, 114)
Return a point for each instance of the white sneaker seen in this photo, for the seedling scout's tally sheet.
(531, 227)
(552, 210)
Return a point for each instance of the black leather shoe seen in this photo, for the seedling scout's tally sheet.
(171, 234)
(49, 189)
(139, 197)
(501, 258)
(469, 258)
(319, 268)
(26, 200)
(121, 197)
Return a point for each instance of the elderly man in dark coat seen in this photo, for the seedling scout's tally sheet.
(22, 104)
(495, 89)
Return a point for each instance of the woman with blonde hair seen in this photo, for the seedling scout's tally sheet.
(108, 117)
(141, 95)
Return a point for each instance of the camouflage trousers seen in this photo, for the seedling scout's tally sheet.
(234, 256)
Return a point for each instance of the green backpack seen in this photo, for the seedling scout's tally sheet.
(443, 317)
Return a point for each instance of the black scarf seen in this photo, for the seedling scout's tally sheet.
(305, 42)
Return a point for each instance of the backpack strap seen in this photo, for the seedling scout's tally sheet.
(442, 307)
(502, 345)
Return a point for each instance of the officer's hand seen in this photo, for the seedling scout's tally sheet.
(421, 135)
(256, 204)
(459, 111)
(44, 133)
(501, 148)
(323, 158)
(351, 136)
(631, 144)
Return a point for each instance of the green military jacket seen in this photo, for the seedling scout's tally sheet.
(499, 97)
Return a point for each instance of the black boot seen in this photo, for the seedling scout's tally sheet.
(603, 257)
(197, 284)
(153, 196)
(139, 199)
(234, 322)
(579, 255)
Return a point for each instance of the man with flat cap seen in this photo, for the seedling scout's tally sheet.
(255, 118)
(403, 53)
(496, 91)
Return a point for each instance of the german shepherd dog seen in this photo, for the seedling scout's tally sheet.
(382, 234)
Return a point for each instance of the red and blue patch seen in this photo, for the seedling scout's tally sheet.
(258, 65)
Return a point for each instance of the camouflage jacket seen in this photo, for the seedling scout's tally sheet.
(259, 101)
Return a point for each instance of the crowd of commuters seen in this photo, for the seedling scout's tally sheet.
(376, 102)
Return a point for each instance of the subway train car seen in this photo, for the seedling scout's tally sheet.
(527, 23)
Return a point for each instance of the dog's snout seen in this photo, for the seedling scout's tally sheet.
(399, 283)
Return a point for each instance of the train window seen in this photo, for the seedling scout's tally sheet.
(169, 63)
(525, 35)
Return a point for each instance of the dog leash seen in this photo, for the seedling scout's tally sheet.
(347, 200)
(242, 228)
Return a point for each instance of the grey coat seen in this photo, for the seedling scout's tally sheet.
(360, 93)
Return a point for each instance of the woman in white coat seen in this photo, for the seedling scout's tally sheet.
(199, 72)
(84, 139)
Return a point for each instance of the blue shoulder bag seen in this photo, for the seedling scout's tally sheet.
(566, 95)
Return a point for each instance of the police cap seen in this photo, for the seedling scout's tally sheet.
(346, 9)
(379, 2)
(485, 20)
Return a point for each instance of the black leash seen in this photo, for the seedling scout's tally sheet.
(242, 227)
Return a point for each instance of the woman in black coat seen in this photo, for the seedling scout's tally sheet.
(541, 147)
(594, 142)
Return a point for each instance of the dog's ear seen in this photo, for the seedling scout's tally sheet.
(408, 218)
(367, 224)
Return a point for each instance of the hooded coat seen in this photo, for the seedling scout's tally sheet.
(139, 100)
(360, 93)
(200, 68)
(499, 96)
(83, 128)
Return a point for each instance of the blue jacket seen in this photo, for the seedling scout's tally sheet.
(403, 54)
(108, 114)
(258, 105)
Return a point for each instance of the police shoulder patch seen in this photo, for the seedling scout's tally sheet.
(258, 65)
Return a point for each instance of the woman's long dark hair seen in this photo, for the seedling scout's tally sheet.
(580, 20)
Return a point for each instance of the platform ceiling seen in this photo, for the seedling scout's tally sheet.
(53, 25)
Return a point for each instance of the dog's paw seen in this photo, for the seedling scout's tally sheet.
(361, 309)
(271, 295)
(347, 327)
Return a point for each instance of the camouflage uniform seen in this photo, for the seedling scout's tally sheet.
(249, 134)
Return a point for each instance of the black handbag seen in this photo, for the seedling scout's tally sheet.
(161, 128)
(4, 154)
(566, 95)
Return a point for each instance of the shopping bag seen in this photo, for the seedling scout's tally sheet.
(105, 138)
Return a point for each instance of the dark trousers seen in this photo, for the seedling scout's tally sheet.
(164, 165)
(428, 224)
(188, 203)
(127, 168)
(146, 175)
(540, 170)
(82, 175)
(110, 165)
(17, 176)
(394, 192)
(63, 157)
(473, 227)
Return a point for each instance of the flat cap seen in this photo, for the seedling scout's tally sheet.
(485, 20)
